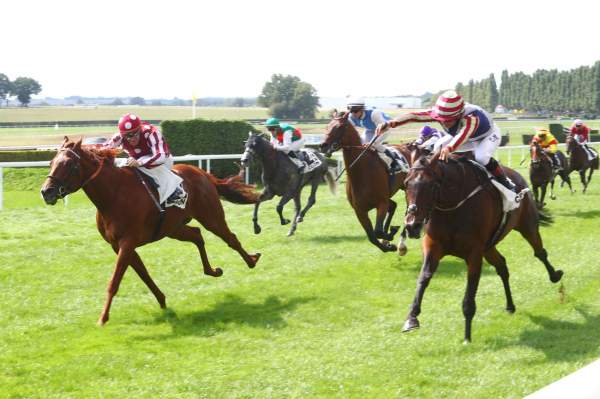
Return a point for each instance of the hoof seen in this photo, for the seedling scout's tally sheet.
(389, 248)
(257, 229)
(467, 341)
(285, 221)
(216, 272)
(511, 309)
(254, 259)
(299, 219)
(410, 324)
(162, 302)
(102, 321)
(291, 233)
(553, 197)
(402, 250)
(555, 278)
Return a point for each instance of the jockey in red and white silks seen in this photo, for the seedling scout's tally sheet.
(581, 133)
(148, 151)
(468, 128)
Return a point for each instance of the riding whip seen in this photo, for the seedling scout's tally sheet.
(358, 157)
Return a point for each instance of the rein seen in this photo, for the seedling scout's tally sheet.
(62, 186)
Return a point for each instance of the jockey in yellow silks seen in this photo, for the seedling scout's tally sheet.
(549, 144)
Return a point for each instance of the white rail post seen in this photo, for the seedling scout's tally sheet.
(208, 165)
(247, 175)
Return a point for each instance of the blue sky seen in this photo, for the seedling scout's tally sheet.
(231, 48)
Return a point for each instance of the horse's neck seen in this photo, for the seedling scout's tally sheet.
(102, 189)
(459, 179)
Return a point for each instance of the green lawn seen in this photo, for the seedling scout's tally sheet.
(320, 315)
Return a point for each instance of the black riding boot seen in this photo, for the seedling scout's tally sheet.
(395, 165)
(495, 169)
(555, 162)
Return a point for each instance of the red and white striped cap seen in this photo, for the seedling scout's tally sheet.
(449, 106)
(129, 123)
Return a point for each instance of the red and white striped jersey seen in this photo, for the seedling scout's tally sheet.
(150, 151)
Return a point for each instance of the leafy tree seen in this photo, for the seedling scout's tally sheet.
(137, 101)
(117, 101)
(289, 97)
(5, 87)
(24, 88)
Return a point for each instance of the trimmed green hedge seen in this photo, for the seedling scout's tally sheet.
(204, 137)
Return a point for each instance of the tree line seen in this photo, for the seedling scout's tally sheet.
(573, 91)
(22, 88)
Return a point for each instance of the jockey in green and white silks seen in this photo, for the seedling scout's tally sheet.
(287, 139)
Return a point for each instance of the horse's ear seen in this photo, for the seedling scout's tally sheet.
(65, 141)
(436, 156)
(78, 144)
(334, 113)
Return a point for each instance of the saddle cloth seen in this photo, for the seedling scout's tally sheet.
(309, 162)
(397, 155)
(510, 199)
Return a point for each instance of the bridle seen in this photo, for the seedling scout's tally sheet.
(63, 189)
(437, 188)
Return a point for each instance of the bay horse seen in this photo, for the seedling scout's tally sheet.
(462, 214)
(368, 185)
(280, 176)
(127, 216)
(579, 161)
(541, 173)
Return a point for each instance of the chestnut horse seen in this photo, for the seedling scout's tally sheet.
(580, 162)
(541, 173)
(127, 217)
(368, 183)
(462, 214)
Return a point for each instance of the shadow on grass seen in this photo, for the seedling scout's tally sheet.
(231, 312)
(448, 267)
(335, 239)
(559, 340)
(591, 214)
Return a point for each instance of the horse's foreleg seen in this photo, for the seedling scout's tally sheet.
(583, 179)
(123, 260)
(297, 208)
(431, 260)
(382, 211)
(499, 262)
(194, 235)
(140, 269)
(264, 196)
(363, 218)
(552, 196)
(312, 199)
(402, 249)
(564, 175)
(543, 196)
(469, 306)
(284, 200)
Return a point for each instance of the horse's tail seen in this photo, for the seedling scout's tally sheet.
(331, 182)
(234, 190)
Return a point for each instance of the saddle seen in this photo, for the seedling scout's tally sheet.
(306, 160)
(391, 155)
(178, 198)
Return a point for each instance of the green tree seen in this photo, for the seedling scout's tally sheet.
(287, 96)
(5, 87)
(23, 88)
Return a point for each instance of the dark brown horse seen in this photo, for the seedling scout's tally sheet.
(541, 173)
(462, 212)
(127, 217)
(368, 184)
(580, 162)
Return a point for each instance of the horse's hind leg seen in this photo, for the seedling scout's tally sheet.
(383, 210)
(217, 225)
(193, 234)
(363, 218)
(388, 219)
(530, 231)
(583, 180)
(499, 262)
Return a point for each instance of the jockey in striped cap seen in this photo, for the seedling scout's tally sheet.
(468, 128)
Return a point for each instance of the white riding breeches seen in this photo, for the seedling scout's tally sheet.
(166, 180)
(483, 149)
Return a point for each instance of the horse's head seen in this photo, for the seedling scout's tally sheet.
(422, 188)
(571, 143)
(536, 153)
(65, 172)
(256, 143)
(335, 133)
